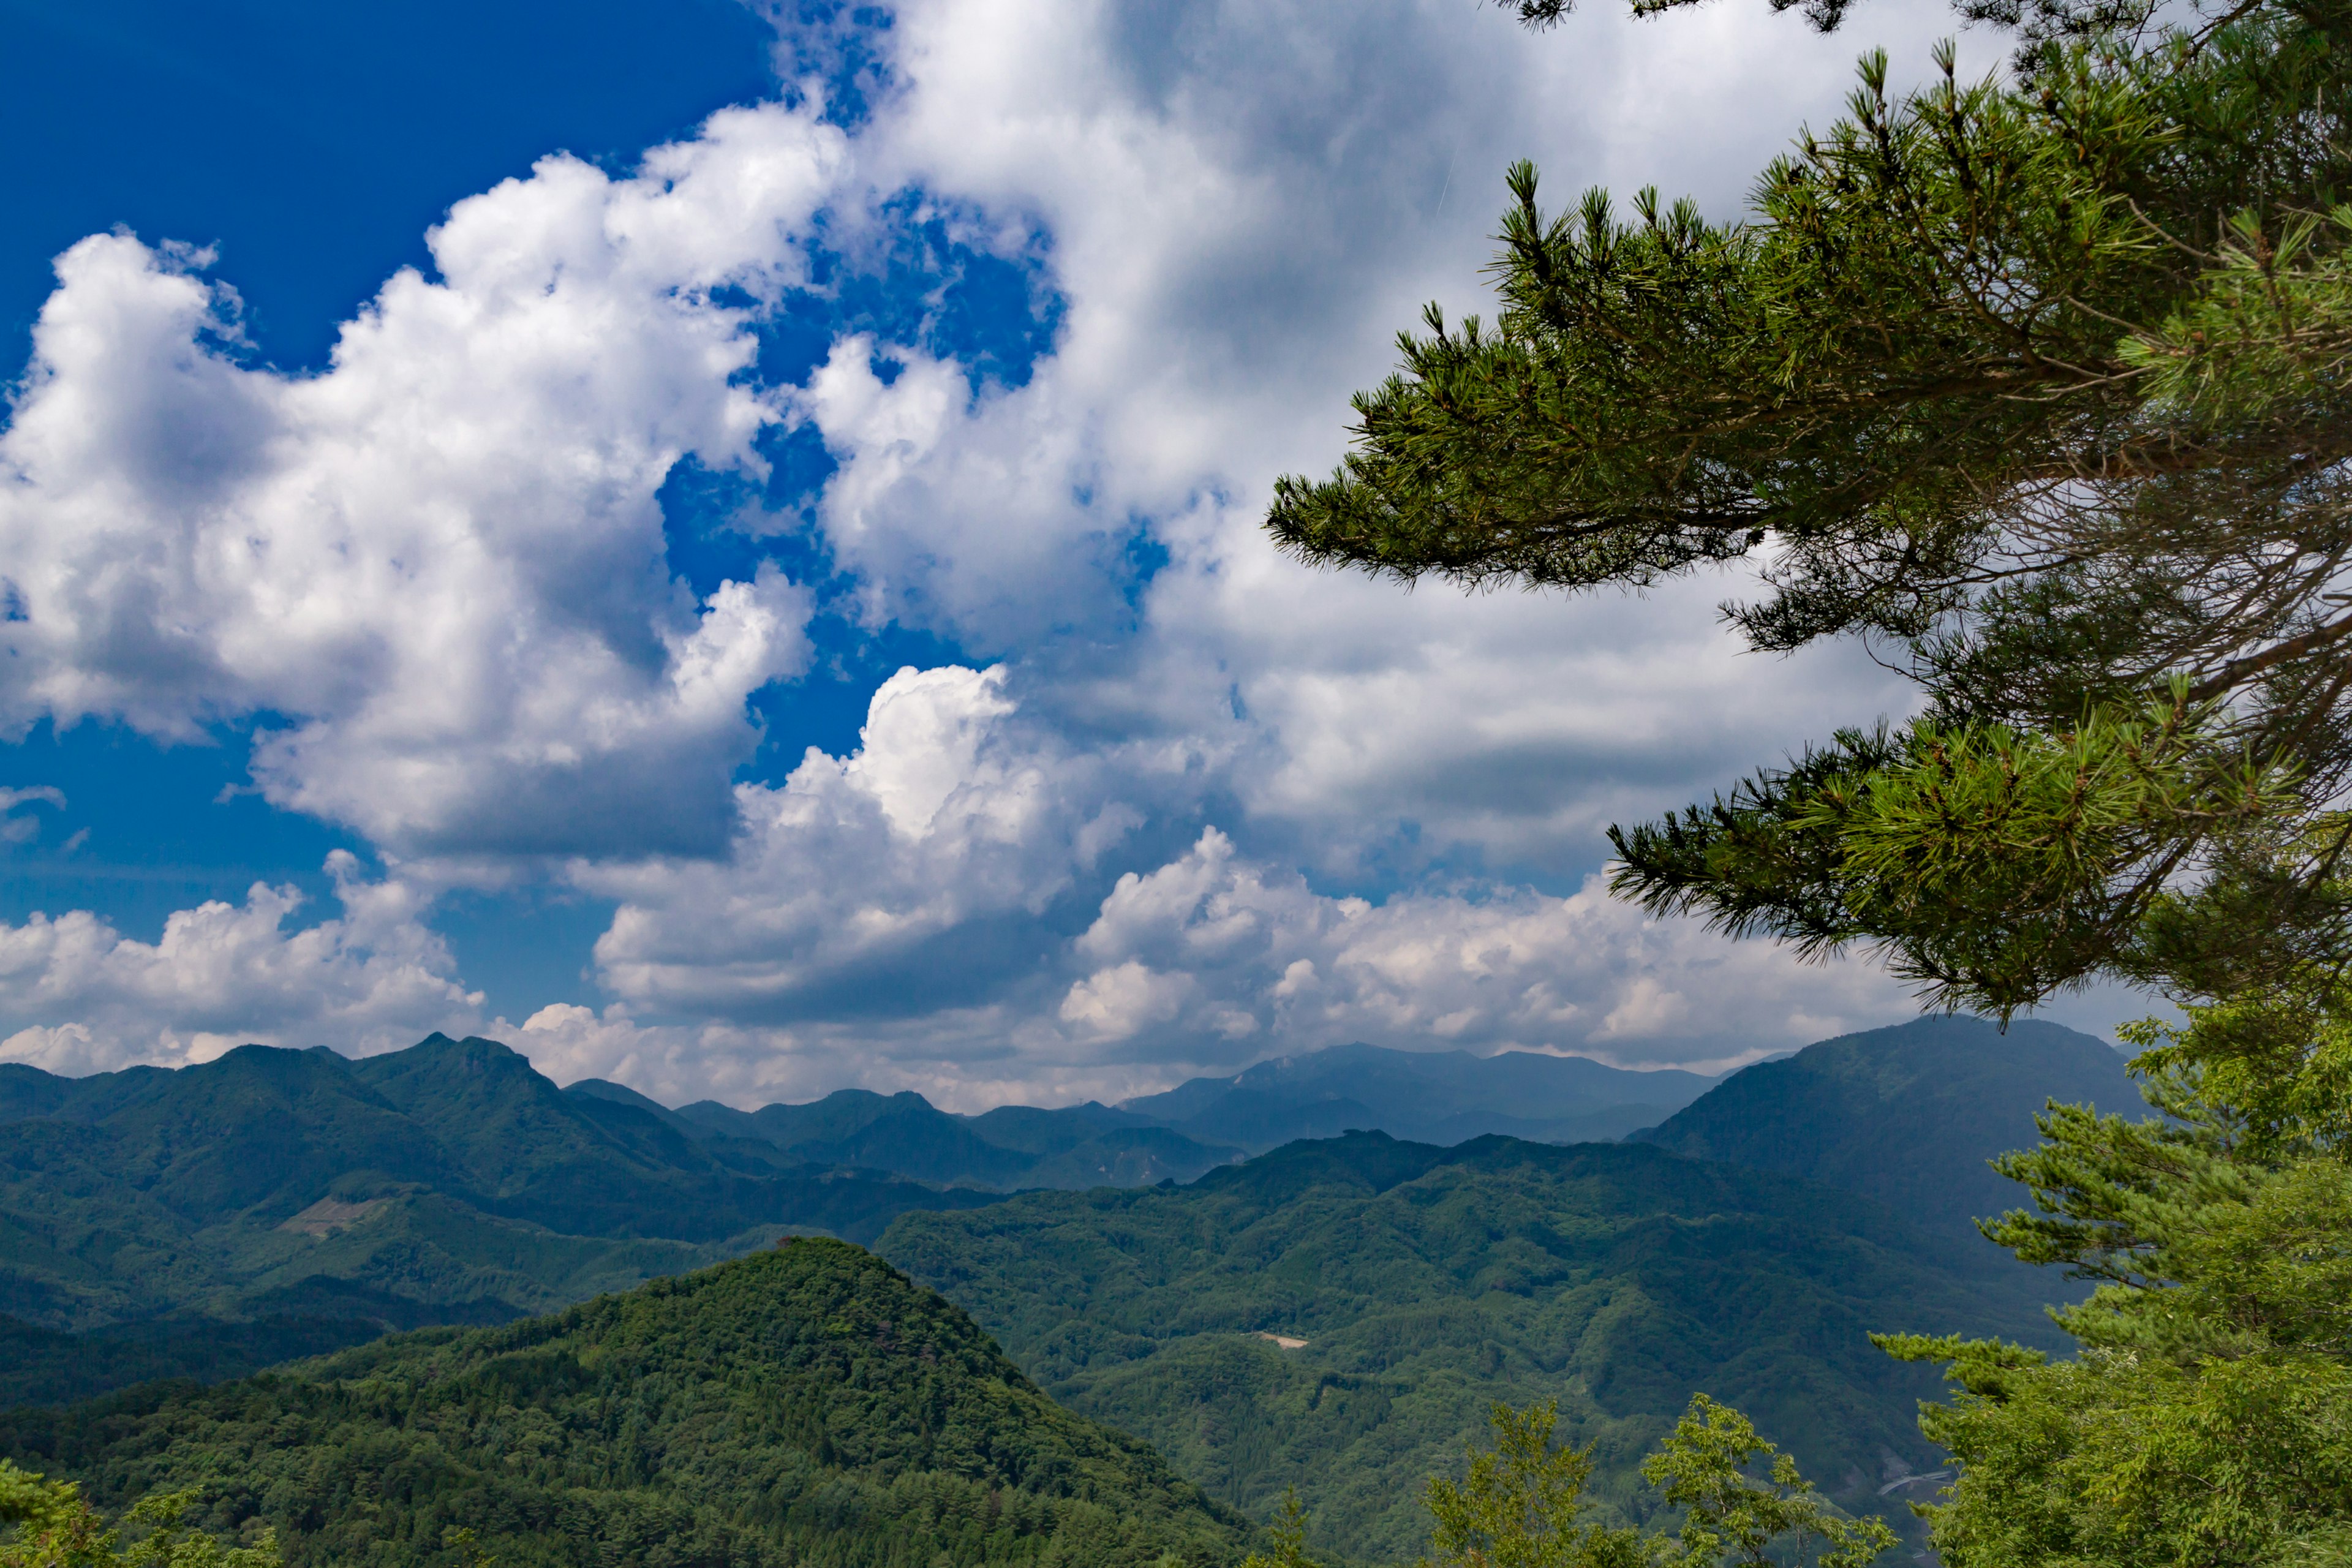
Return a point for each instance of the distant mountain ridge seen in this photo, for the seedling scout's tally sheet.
(1010, 1148)
(1431, 1096)
(1438, 1097)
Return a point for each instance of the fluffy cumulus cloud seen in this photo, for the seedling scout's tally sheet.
(77, 996)
(1212, 946)
(436, 568)
(859, 877)
(1181, 804)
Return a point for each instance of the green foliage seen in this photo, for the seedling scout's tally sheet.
(53, 1527)
(2204, 1422)
(2038, 383)
(1731, 1517)
(1429, 1284)
(34, 1505)
(1286, 1537)
(1992, 865)
(805, 1405)
(1520, 1505)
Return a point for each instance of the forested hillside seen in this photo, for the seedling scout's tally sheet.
(270, 1203)
(312, 1200)
(1425, 1282)
(1910, 1116)
(802, 1406)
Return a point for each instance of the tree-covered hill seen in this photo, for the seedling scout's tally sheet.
(805, 1406)
(1910, 1116)
(1426, 1282)
(309, 1201)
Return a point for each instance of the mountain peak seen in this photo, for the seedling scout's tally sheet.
(1908, 1114)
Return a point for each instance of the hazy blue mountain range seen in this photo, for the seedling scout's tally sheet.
(1908, 1116)
(1011, 1147)
(1440, 1097)
(802, 1407)
(1425, 1282)
(1431, 1096)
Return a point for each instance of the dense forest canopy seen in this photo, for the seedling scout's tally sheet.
(1415, 1286)
(807, 1404)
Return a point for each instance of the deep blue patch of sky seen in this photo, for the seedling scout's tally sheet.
(147, 830)
(314, 145)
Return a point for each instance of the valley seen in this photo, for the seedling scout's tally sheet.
(1336, 1312)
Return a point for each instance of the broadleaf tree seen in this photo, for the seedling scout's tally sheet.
(2041, 386)
(1521, 1504)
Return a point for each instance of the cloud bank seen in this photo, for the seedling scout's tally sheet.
(1169, 802)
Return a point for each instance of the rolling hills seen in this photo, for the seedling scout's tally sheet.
(802, 1406)
(1425, 1282)
(310, 1200)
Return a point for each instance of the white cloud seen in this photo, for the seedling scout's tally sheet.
(14, 829)
(965, 514)
(77, 996)
(436, 570)
(952, 813)
(1242, 203)
(1261, 956)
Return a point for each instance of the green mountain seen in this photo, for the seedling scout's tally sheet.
(1011, 1147)
(1338, 1314)
(309, 1201)
(1431, 1096)
(1908, 1116)
(807, 1405)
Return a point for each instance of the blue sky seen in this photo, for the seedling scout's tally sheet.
(718, 543)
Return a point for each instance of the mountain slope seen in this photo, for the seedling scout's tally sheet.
(807, 1404)
(314, 1201)
(1908, 1116)
(1426, 1282)
(1436, 1097)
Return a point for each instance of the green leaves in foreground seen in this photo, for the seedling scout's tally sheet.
(56, 1529)
(2207, 1422)
(1522, 1503)
(2042, 388)
(1993, 866)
